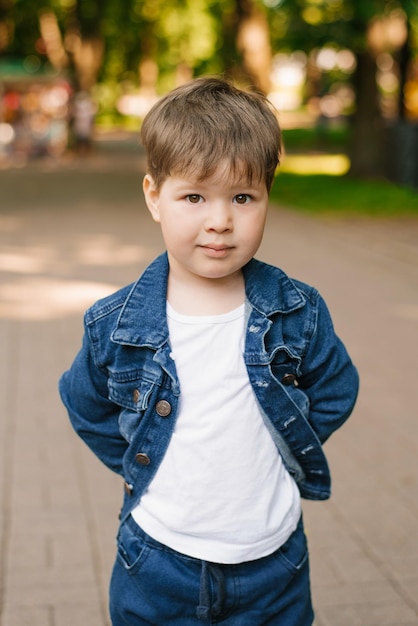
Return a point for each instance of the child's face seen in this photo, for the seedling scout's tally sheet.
(211, 228)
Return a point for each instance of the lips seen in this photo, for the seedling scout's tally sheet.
(213, 246)
(216, 250)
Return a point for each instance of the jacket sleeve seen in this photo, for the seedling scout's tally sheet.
(329, 378)
(84, 392)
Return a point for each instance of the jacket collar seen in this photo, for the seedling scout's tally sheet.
(143, 321)
(270, 290)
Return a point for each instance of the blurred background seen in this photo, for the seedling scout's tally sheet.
(342, 73)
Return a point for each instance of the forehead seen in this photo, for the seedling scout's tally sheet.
(233, 172)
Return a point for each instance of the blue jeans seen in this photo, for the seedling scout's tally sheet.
(154, 585)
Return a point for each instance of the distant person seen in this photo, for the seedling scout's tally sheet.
(211, 383)
(83, 115)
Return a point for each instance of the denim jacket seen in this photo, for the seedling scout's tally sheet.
(122, 391)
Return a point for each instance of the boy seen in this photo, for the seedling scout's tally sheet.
(211, 383)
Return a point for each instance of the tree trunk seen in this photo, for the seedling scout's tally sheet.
(366, 150)
(253, 43)
(84, 43)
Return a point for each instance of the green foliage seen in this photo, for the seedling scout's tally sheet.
(187, 33)
(316, 138)
(197, 33)
(20, 19)
(307, 24)
(343, 195)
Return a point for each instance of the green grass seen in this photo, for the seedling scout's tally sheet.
(343, 195)
(316, 138)
(312, 178)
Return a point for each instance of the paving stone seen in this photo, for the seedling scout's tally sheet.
(29, 616)
(381, 614)
(71, 615)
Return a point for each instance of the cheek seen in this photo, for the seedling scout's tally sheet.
(183, 222)
(255, 226)
(175, 230)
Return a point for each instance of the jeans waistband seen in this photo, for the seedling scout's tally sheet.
(212, 591)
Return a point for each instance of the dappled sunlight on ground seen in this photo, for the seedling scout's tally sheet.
(45, 298)
(45, 282)
(103, 249)
(331, 164)
(71, 236)
(31, 261)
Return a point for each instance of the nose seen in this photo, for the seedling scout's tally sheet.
(219, 218)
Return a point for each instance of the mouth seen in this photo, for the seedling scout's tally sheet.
(216, 250)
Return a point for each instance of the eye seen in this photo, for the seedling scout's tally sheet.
(242, 198)
(194, 198)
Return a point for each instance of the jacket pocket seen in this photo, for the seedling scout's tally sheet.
(132, 396)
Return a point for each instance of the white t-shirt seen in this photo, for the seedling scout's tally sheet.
(221, 493)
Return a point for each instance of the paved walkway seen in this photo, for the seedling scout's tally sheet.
(73, 232)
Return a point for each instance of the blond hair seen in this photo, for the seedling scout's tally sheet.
(195, 127)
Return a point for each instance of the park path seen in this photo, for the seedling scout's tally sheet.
(71, 232)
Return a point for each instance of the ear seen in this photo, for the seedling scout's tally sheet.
(151, 195)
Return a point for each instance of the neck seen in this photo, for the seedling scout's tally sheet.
(207, 297)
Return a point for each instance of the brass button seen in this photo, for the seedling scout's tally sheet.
(128, 488)
(142, 458)
(136, 395)
(289, 379)
(163, 408)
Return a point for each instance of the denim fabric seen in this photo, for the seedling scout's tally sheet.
(303, 378)
(154, 585)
